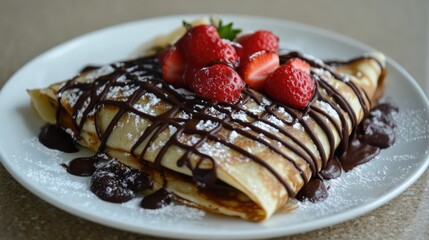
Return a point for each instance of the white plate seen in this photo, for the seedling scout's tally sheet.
(363, 189)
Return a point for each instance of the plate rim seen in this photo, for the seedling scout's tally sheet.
(277, 231)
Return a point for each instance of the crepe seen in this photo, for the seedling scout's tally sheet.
(247, 159)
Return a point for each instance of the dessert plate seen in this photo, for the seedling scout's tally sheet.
(353, 194)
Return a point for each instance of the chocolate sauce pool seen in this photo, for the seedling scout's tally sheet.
(54, 137)
(115, 182)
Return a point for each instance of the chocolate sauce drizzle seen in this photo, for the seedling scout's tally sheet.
(144, 76)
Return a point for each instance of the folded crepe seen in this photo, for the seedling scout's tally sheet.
(247, 159)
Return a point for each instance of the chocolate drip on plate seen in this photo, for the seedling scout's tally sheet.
(313, 191)
(54, 137)
(83, 167)
(375, 133)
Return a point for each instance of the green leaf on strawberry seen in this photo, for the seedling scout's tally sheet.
(159, 49)
(186, 25)
(227, 31)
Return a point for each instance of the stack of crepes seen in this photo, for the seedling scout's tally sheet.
(247, 159)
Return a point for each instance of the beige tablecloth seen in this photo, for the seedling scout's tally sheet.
(397, 28)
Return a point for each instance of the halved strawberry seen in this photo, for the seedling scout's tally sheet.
(256, 70)
(173, 66)
(299, 64)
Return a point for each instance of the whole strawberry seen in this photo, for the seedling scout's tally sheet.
(218, 82)
(198, 32)
(254, 42)
(299, 64)
(202, 46)
(291, 86)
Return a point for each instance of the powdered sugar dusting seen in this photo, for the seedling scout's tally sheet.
(50, 173)
(172, 129)
(107, 69)
(298, 126)
(275, 120)
(120, 92)
(328, 109)
(216, 150)
(420, 125)
(349, 189)
(185, 115)
(122, 78)
(72, 96)
(82, 110)
(46, 171)
(171, 213)
(322, 72)
(148, 107)
(232, 136)
(193, 140)
(265, 127)
(255, 110)
(216, 113)
(239, 115)
(281, 111)
(206, 125)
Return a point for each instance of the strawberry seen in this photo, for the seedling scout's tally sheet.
(256, 70)
(290, 86)
(173, 66)
(218, 51)
(202, 46)
(300, 64)
(211, 51)
(255, 42)
(218, 82)
(200, 31)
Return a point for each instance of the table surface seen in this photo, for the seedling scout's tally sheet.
(398, 28)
